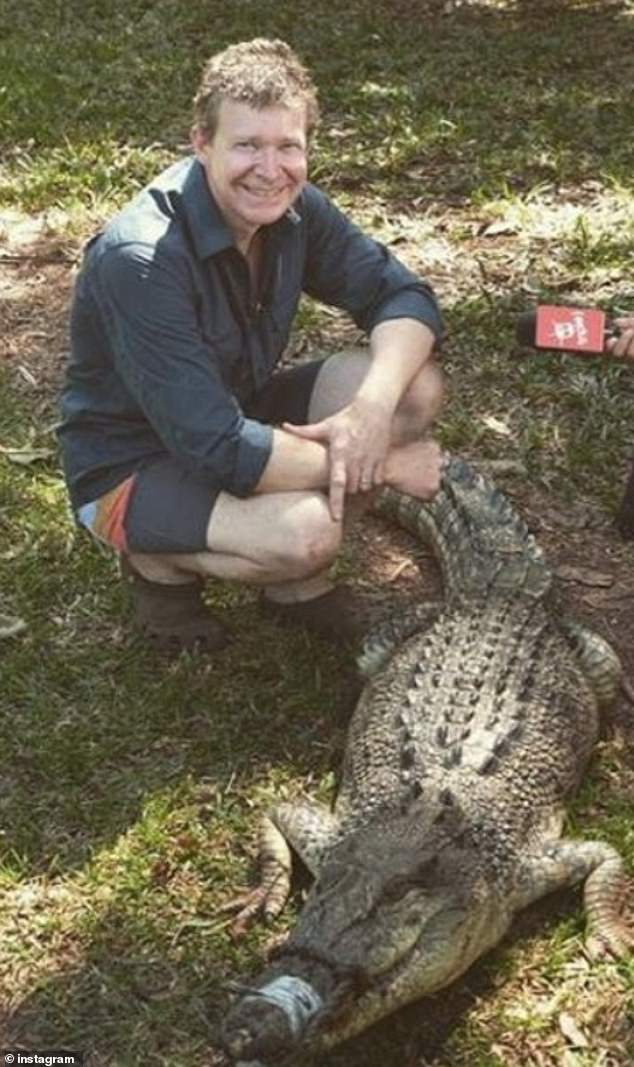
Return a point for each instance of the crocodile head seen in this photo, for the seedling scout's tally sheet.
(388, 920)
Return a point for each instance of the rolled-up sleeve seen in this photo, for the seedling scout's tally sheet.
(149, 308)
(351, 271)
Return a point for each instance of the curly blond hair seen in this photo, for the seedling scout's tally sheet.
(261, 73)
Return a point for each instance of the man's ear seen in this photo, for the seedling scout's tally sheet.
(199, 143)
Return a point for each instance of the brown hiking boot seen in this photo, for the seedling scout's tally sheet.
(173, 618)
(340, 614)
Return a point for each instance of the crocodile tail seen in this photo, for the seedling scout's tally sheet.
(481, 542)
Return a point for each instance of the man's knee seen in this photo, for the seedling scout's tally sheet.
(310, 539)
(342, 375)
(420, 404)
(337, 382)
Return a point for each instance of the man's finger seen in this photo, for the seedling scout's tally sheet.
(623, 347)
(313, 431)
(337, 489)
(379, 473)
(366, 481)
(354, 478)
(373, 475)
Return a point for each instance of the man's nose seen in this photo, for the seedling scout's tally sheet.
(268, 163)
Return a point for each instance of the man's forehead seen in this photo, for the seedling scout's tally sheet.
(236, 116)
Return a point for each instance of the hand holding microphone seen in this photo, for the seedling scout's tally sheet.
(622, 346)
(577, 331)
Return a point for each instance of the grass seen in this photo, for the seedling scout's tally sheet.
(491, 147)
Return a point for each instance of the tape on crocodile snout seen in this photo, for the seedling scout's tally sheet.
(297, 999)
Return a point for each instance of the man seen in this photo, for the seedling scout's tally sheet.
(182, 449)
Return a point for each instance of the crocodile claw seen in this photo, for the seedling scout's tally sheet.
(615, 942)
(259, 903)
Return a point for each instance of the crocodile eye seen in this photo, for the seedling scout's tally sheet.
(397, 889)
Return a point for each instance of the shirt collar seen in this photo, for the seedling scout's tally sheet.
(207, 227)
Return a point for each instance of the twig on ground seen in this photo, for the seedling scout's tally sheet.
(36, 257)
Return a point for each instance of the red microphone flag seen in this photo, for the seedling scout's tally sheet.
(570, 329)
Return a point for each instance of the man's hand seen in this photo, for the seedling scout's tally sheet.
(416, 468)
(623, 346)
(358, 440)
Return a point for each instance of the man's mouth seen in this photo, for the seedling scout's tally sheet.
(265, 194)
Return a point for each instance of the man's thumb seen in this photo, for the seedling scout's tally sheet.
(315, 431)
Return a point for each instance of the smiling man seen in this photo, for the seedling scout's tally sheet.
(185, 448)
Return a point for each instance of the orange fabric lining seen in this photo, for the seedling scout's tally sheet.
(111, 512)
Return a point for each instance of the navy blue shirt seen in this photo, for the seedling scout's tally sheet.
(169, 341)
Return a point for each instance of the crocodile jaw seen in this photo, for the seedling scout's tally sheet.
(420, 974)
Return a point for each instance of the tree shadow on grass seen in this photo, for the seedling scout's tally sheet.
(416, 106)
(491, 100)
(95, 733)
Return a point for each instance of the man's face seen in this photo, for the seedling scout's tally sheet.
(255, 164)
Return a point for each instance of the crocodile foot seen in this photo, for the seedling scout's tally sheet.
(617, 943)
(606, 892)
(310, 827)
(264, 901)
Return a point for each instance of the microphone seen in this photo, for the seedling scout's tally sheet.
(579, 331)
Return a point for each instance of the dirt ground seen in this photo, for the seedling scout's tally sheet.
(594, 566)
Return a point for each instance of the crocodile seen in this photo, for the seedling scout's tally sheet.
(476, 721)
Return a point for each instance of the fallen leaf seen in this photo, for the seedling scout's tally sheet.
(496, 229)
(497, 426)
(398, 570)
(571, 1059)
(25, 456)
(499, 467)
(573, 518)
(10, 626)
(584, 575)
(26, 374)
(622, 591)
(597, 599)
(571, 1031)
